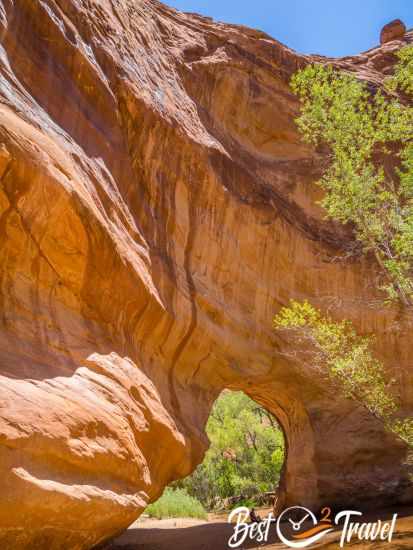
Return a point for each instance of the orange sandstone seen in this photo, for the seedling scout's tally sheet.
(157, 208)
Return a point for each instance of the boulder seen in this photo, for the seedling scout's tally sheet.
(395, 30)
(157, 208)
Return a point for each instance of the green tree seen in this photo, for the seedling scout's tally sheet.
(246, 452)
(363, 128)
(346, 357)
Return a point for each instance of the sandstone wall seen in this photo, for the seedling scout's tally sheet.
(157, 208)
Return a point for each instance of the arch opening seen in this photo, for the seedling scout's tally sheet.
(242, 467)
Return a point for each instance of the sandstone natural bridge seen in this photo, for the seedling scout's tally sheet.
(157, 208)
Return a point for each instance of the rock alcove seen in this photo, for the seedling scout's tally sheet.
(157, 208)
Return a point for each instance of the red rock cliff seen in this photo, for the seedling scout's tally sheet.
(157, 207)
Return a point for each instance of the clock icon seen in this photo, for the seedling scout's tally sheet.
(294, 531)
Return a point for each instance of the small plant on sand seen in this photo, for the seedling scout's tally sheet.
(176, 503)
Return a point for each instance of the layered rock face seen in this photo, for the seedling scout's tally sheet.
(157, 208)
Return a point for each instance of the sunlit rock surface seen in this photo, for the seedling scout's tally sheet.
(395, 30)
(157, 208)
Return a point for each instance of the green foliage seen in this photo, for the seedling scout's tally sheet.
(404, 429)
(403, 77)
(246, 453)
(346, 358)
(362, 130)
(176, 503)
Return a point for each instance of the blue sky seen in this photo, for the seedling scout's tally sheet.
(327, 27)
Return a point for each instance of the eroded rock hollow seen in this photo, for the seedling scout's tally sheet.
(157, 208)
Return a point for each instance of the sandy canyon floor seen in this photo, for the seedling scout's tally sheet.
(213, 534)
